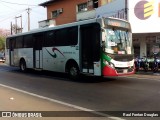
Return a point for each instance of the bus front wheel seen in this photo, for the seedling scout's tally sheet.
(23, 67)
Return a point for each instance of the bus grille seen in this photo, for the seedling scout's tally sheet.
(124, 70)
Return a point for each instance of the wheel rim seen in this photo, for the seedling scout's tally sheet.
(73, 71)
(23, 66)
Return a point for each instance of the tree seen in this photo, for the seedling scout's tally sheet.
(3, 34)
(2, 43)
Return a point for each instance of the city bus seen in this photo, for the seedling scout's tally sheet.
(100, 47)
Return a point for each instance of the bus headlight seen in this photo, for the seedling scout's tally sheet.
(106, 62)
(111, 65)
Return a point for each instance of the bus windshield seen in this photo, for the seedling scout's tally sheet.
(118, 41)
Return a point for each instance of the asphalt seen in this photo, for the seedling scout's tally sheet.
(14, 102)
(148, 72)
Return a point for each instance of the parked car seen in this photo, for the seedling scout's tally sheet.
(2, 57)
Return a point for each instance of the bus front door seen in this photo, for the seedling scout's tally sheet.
(90, 48)
(37, 51)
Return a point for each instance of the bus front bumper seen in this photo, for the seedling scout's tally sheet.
(109, 71)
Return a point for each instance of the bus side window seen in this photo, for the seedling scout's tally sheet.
(19, 42)
(49, 39)
(73, 35)
(61, 37)
(12, 43)
(38, 41)
(7, 43)
(28, 41)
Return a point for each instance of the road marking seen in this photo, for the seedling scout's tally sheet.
(63, 103)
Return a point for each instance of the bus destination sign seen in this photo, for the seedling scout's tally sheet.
(117, 23)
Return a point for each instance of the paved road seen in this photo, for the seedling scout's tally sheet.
(132, 93)
(20, 104)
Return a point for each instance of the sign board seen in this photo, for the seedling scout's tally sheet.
(115, 8)
(144, 15)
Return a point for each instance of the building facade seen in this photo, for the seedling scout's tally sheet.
(64, 11)
(67, 11)
(144, 16)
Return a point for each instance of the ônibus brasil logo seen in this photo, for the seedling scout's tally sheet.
(144, 9)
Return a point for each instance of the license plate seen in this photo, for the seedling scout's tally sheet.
(125, 71)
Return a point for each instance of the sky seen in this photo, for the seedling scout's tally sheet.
(10, 9)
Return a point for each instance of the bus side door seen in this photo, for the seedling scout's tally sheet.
(90, 47)
(12, 43)
(37, 50)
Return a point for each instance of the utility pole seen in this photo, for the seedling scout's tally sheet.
(17, 29)
(11, 28)
(28, 11)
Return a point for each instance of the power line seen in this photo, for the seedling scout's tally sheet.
(17, 3)
(13, 15)
(8, 6)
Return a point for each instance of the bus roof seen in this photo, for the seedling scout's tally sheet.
(61, 26)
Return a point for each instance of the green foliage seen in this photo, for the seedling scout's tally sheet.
(2, 43)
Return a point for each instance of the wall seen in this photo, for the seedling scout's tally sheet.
(69, 10)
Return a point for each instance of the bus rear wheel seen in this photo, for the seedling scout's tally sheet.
(22, 65)
(73, 71)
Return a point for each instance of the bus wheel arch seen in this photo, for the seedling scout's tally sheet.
(72, 69)
(22, 65)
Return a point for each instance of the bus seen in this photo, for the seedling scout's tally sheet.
(100, 47)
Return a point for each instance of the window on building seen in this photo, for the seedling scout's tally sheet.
(57, 12)
(95, 3)
(54, 14)
(82, 7)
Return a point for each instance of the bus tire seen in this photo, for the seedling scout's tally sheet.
(22, 65)
(73, 71)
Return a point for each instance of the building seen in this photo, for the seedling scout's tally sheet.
(66, 11)
(144, 16)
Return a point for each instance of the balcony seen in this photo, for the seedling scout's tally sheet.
(84, 15)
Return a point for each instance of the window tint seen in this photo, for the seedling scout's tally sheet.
(62, 37)
(28, 41)
(38, 41)
(73, 35)
(50, 39)
(12, 43)
(7, 43)
(19, 42)
(90, 38)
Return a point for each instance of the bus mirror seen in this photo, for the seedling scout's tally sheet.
(102, 29)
